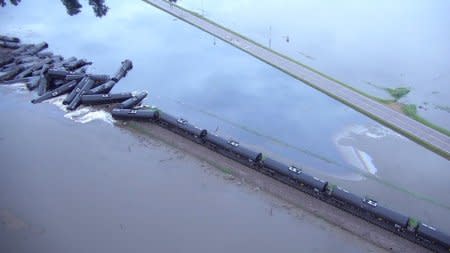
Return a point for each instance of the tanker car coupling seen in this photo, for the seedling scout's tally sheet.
(53, 76)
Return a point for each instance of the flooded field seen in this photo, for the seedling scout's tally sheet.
(191, 74)
(369, 46)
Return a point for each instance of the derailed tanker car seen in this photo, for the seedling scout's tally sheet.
(55, 76)
(139, 115)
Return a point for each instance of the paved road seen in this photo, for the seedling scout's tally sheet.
(412, 129)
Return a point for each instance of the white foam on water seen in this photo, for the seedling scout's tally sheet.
(86, 115)
(82, 114)
(378, 132)
(351, 156)
(365, 161)
(375, 132)
(20, 87)
(58, 102)
(345, 142)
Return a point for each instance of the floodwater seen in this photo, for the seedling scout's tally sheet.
(70, 187)
(365, 44)
(189, 73)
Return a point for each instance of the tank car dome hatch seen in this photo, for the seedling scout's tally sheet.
(370, 201)
(182, 121)
(233, 143)
(295, 169)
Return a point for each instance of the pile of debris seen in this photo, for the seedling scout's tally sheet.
(53, 75)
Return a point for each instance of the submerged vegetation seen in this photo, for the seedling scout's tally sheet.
(13, 2)
(396, 93)
(225, 170)
(410, 110)
(399, 92)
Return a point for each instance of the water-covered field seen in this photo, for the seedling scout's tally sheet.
(368, 45)
(191, 74)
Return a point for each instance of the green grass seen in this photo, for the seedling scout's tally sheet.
(398, 93)
(224, 169)
(411, 111)
(413, 223)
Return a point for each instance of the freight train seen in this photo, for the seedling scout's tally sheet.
(54, 76)
(366, 208)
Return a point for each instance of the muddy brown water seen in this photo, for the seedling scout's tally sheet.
(71, 187)
(215, 86)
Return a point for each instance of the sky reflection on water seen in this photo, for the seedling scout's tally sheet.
(389, 44)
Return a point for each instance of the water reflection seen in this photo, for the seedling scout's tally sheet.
(74, 7)
(390, 44)
(98, 6)
(13, 2)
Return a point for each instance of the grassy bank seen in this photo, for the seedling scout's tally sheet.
(411, 111)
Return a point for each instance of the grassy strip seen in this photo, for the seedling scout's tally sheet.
(383, 101)
(398, 93)
(411, 111)
(225, 170)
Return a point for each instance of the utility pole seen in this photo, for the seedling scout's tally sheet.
(270, 36)
(203, 10)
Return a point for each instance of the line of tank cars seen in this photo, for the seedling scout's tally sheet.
(54, 76)
(366, 208)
